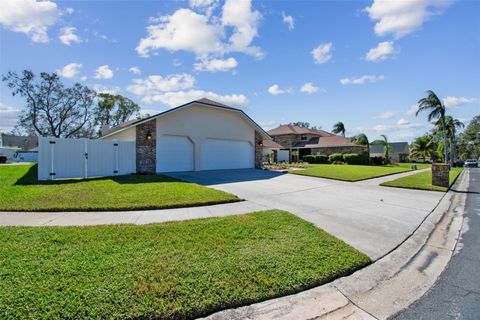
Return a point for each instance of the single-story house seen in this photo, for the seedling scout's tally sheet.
(199, 135)
(270, 151)
(19, 148)
(399, 151)
(302, 141)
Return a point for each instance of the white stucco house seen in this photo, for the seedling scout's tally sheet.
(199, 135)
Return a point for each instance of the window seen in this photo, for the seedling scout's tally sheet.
(303, 137)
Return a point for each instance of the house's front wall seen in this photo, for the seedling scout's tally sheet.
(199, 123)
(125, 135)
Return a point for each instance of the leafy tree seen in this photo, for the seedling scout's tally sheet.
(469, 140)
(422, 148)
(112, 110)
(51, 109)
(432, 103)
(304, 125)
(362, 140)
(386, 146)
(339, 128)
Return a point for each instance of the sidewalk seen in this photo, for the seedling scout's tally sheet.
(384, 288)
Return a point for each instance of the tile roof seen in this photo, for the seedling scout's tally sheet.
(291, 129)
(270, 144)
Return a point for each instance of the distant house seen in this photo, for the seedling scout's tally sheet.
(399, 152)
(304, 141)
(19, 148)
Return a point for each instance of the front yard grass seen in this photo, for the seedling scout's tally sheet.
(350, 172)
(174, 270)
(422, 181)
(20, 191)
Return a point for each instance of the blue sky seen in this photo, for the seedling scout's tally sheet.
(364, 63)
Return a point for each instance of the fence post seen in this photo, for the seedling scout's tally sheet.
(115, 155)
(86, 158)
(52, 172)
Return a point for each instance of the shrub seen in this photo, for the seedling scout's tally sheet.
(355, 158)
(413, 167)
(335, 157)
(338, 162)
(319, 158)
(377, 161)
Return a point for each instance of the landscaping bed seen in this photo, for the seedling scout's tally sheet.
(351, 172)
(174, 270)
(20, 191)
(422, 181)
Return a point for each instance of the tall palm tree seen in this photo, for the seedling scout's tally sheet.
(432, 103)
(339, 128)
(422, 148)
(451, 126)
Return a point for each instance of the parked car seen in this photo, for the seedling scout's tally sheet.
(472, 163)
(3, 159)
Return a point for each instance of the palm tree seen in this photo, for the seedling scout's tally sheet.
(339, 128)
(362, 140)
(451, 126)
(435, 106)
(384, 143)
(422, 148)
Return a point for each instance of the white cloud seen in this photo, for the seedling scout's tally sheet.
(387, 115)
(201, 3)
(268, 124)
(400, 18)
(362, 79)
(70, 70)
(204, 36)
(177, 98)
(381, 51)
(99, 88)
(322, 53)
(70, 10)
(215, 65)
(83, 78)
(289, 21)
(30, 17)
(275, 90)
(68, 36)
(135, 70)
(309, 87)
(156, 84)
(103, 72)
(403, 122)
(457, 101)
(381, 128)
(413, 109)
(8, 116)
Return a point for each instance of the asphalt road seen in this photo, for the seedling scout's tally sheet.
(456, 295)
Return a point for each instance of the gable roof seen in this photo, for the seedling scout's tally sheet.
(292, 129)
(398, 147)
(204, 102)
(270, 144)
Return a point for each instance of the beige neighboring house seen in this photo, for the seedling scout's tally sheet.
(399, 152)
(302, 141)
(199, 135)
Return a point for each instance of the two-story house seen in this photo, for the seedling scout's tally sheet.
(303, 141)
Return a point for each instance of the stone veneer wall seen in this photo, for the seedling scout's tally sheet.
(346, 149)
(286, 140)
(441, 175)
(146, 150)
(258, 150)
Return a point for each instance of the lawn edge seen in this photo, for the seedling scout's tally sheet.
(423, 189)
(357, 180)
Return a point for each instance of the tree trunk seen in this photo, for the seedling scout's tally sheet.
(445, 152)
(453, 155)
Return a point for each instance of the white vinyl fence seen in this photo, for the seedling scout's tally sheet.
(83, 158)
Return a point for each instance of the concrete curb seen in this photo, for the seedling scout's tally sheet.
(384, 288)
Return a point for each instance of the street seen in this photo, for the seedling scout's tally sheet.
(456, 295)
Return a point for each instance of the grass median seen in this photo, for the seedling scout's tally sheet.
(422, 181)
(175, 270)
(21, 191)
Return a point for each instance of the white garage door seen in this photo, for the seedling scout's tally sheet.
(174, 153)
(226, 154)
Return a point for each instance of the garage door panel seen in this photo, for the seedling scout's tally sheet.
(175, 153)
(226, 154)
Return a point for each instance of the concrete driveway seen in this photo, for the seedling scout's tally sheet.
(371, 218)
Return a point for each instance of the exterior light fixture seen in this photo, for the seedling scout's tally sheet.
(149, 136)
(260, 143)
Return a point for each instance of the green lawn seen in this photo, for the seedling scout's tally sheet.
(350, 172)
(172, 270)
(422, 181)
(20, 191)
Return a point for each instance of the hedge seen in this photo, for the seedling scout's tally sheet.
(377, 161)
(355, 158)
(336, 157)
(315, 159)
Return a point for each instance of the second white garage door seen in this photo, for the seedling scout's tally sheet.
(174, 153)
(226, 154)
